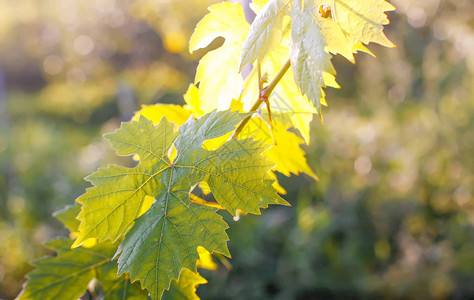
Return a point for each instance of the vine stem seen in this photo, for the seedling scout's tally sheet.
(264, 94)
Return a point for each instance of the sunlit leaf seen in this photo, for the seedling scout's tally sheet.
(308, 55)
(176, 114)
(205, 260)
(165, 239)
(67, 216)
(185, 287)
(119, 192)
(67, 275)
(287, 152)
(287, 104)
(217, 72)
(363, 20)
(265, 31)
(193, 102)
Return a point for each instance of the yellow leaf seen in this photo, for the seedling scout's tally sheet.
(193, 102)
(265, 32)
(287, 154)
(257, 5)
(287, 104)
(218, 71)
(360, 47)
(225, 20)
(219, 79)
(146, 205)
(205, 259)
(363, 20)
(174, 113)
(330, 80)
(276, 185)
(185, 286)
(336, 40)
(89, 243)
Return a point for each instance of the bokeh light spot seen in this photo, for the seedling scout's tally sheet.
(83, 44)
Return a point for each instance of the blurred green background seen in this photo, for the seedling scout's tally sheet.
(392, 216)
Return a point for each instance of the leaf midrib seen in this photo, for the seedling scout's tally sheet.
(123, 202)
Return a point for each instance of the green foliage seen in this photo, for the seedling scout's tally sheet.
(145, 215)
(164, 240)
(69, 273)
(67, 216)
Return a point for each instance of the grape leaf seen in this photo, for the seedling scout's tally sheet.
(363, 20)
(336, 40)
(313, 37)
(109, 208)
(67, 216)
(193, 102)
(121, 288)
(174, 113)
(67, 275)
(308, 55)
(265, 32)
(287, 104)
(287, 152)
(185, 287)
(165, 239)
(217, 72)
(257, 5)
(205, 260)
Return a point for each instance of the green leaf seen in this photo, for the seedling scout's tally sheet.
(193, 134)
(143, 140)
(308, 55)
(265, 32)
(67, 275)
(185, 288)
(120, 287)
(109, 208)
(164, 240)
(67, 216)
(218, 70)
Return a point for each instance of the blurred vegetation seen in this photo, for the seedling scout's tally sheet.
(393, 214)
(69, 72)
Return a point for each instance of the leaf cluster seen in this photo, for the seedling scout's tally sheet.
(147, 218)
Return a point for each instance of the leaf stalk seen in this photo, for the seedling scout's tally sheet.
(263, 95)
